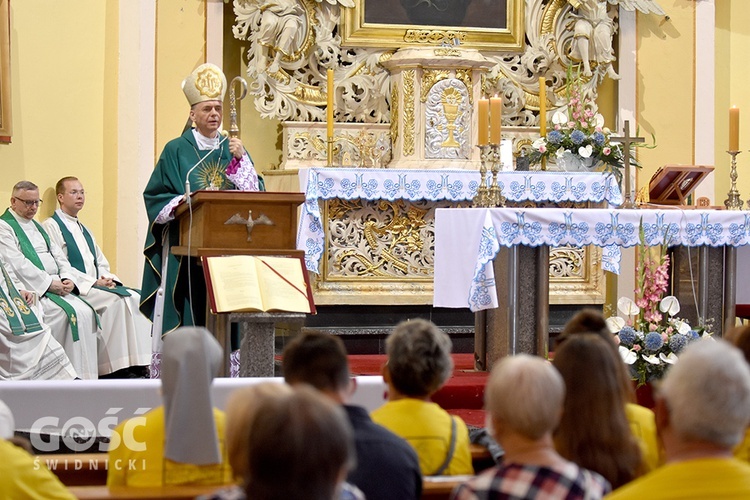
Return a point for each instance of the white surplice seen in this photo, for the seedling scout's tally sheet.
(126, 332)
(87, 354)
(30, 356)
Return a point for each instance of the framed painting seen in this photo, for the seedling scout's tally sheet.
(496, 25)
(5, 125)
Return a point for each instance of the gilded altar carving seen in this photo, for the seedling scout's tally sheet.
(429, 78)
(409, 81)
(394, 110)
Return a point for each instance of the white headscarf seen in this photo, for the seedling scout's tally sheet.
(190, 360)
(7, 424)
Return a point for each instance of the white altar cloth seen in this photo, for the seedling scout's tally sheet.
(467, 240)
(435, 184)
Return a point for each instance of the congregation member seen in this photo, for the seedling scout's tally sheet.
(594, 431)
(126, 332)
(740, 338)
(300, 446)
(387, 467)
(641, 419)
(702, 411)
(21, 476)
(181, 442)
(524, 400)
(28, 351)
(173, 291)
(419, 363)
(41, 267)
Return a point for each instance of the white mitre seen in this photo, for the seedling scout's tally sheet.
(206, 83)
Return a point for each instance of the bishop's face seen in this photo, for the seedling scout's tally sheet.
(207, 117)
(26, 203)
(73, 199)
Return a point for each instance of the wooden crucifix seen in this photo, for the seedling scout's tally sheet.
(626, 141)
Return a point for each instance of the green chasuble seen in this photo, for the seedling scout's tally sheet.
(168, 181)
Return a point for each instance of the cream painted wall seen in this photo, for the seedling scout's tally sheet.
(62, 119)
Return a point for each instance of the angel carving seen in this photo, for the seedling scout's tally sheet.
(594, 28)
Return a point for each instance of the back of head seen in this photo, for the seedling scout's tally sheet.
(317, 359)
(594, 431)
(588, 321)
(300, 446)
(190, 360)
(241, 409)
(708, 394)
(526, 394)
(419, 357)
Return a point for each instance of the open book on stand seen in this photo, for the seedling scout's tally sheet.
(246, 283)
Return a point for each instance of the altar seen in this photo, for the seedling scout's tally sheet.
(487, 258)
(369, 234)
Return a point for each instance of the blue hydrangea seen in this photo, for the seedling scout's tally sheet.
(577, 137)
(598, 138)
(677, 342)
(627, 336)
(693, 335)
(653, 341)
(554, 137)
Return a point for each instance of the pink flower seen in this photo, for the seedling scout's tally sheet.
(557, 127)
(542, 148)
(664, 336)
(636, 348)
(571, 124)
(606, 150)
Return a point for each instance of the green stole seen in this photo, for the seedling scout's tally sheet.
(28, 251)
(76, 259)
(27, 322)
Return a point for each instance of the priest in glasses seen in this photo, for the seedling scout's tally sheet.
(126, 332)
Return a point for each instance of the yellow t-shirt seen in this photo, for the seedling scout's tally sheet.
(715, 478)
(147, 467)
(742, 452)
(23, 476)
(427, 428)
(643, 426)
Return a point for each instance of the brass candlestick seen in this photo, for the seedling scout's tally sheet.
(482, 198)
(733, 201)
(329, 152)
(496, 195)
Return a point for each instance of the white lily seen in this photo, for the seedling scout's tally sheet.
(682, 327)
(615, 323)
(628, 356)
(585, 151)
(599, 120)
(559, 118)
(627, 307)
(539, 143)
(671, 359)
(560, 152)
(707, 335)
(669, 305)
(652, 359)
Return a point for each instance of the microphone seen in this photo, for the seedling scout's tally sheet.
(225, 136)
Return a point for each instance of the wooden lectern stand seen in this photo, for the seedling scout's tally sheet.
(221, 225)
(672, 184)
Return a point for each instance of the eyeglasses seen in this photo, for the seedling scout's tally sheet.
(29, 203)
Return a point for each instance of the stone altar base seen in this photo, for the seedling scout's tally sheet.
(257, 334)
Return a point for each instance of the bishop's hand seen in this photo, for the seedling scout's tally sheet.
(236, 147)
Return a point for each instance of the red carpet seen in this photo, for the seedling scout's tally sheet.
(462, 395)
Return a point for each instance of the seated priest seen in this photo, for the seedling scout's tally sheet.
(27, 349)
(199, 159)
(41, 267)
(126, 332)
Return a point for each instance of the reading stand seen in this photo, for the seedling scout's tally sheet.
(672, 184)
(216, 230)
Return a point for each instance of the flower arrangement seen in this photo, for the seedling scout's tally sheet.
(578, 136)
(649, 332)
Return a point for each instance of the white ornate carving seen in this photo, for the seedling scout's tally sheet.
(440, 129)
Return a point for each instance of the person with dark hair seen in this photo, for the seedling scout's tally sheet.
(702, 411)
(300, 446)
(419, 363)
(641, 419)
(523, 399)
(387, 467)
(594, 431)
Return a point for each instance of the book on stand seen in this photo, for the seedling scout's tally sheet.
(247, 283)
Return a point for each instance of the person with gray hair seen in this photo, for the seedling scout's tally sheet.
(702, 410)
(524, 401)
(419, 363)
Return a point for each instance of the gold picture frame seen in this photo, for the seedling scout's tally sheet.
(5, 123)
(359, 30)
